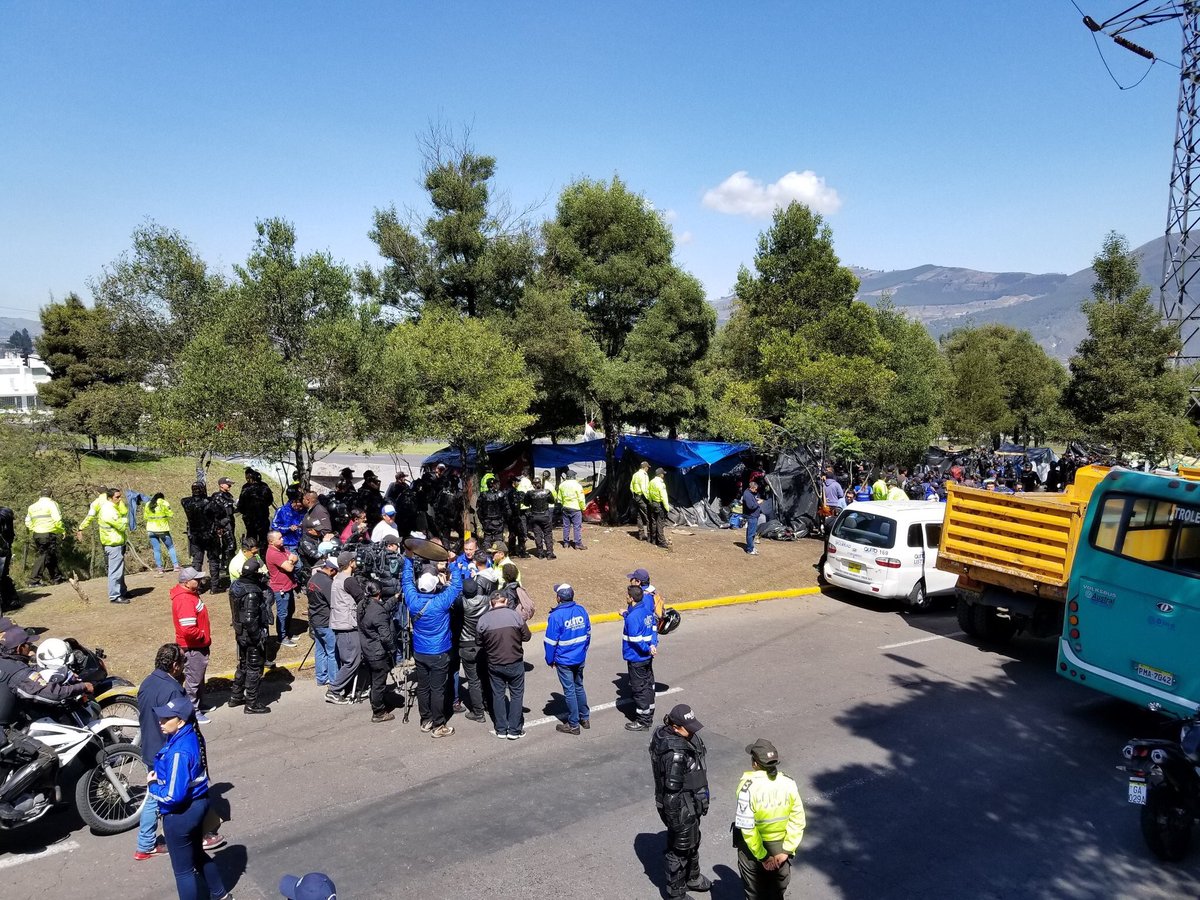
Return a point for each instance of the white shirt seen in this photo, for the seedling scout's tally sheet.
(382, 530)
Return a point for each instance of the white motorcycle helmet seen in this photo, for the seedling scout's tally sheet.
(53, 653)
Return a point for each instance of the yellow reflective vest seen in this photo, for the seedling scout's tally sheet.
(570, 495)
(158, 520)
(93, 511)
(640, 485)
(656, 492)
(896, 493)
(44, 517)
(769, 810)
(879, 490)
(112, 523)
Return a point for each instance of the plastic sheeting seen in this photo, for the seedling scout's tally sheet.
(682, 455)
(563, 456)
(795, 495)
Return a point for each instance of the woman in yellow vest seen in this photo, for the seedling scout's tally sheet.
(158, 526)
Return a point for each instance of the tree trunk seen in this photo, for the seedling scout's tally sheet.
(611, 436)
(303, 461)
(470, 483)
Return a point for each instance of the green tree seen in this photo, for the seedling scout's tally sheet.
(21, 342)
(476, 387)
(975, 408)
(611, 253)
(94, 387)
(303, 308)
(470, 254)
(1123, 390)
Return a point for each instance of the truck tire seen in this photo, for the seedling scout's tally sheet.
(990, 627)
(966, 616)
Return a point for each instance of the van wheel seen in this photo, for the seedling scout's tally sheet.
(966, 617)
(918, 599)
(990, 627)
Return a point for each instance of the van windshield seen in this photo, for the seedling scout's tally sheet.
(863, 527)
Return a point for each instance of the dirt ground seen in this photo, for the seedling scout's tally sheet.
(702, 563)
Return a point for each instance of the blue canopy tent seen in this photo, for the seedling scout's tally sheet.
(564, 456)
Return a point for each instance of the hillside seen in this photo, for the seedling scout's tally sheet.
(945, 297)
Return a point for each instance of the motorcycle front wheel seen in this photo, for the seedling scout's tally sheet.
(100, 804)
(123, 707)
(1167, 824)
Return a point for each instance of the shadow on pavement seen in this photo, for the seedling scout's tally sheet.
(994, 787)
(649, 847)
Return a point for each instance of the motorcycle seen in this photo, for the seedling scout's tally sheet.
(1164, 779)
(117, 696)
(109, 780)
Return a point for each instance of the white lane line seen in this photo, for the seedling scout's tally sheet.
(935, 637)
(41, 854)
(610, 705)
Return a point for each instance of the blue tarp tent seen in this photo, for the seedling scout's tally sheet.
(682, 455)
(563, 456)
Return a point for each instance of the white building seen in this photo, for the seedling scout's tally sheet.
(19, 381)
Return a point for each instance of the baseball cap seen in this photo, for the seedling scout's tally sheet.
(328, 563)
(564, 592)
(389, 539)
(345, 558)
(228, 481)
(176, 708)
(641, 575)
(15, 636)
(427, 583)
(388, 509)
(683, 716)
(252, 566)
(313, 886)
(763, 752)
(498, 547)
(188, 574)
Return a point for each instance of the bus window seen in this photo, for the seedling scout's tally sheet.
(1151, 531)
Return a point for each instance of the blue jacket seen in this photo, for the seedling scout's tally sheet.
(750, 502)
(285, 517)
(568, 634)
(179, 771)
(158, 689)
(641, 630)
(430, 633)
(462, 565)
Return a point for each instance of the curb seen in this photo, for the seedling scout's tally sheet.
(711, 603)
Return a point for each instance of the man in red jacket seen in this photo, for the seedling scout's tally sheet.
(192, 633)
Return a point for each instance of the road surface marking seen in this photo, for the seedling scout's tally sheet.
(935, 637)
(610, 705)
(41, 854)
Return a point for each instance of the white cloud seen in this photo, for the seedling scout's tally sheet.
(669, 215)
(686, 238)
(741, 195)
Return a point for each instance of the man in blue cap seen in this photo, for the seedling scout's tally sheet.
(313, 886)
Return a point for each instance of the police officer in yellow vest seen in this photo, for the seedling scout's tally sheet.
(660, 506)
(112, 522)
(572, 500)
(768, 824)
(639, 489)
(44, 521)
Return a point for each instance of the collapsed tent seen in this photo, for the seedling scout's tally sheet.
(795, 490)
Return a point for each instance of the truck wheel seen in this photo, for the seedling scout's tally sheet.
(966, 616)
(990, 627)
(918, 600)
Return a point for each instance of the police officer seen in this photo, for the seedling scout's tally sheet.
(660, 508)
(224, 506)
(44, 521)
(254, 506)
(681, 795)
(490, 509)
(541, 507)
(251, 620)
(768, 824)
(514, 513)
(639, 489)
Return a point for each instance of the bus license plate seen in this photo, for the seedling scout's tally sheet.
(1137, 791)
(854, 568)
(1164, 678)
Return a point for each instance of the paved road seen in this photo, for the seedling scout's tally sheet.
(930, 768)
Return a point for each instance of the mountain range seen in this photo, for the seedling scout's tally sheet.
(943, 298)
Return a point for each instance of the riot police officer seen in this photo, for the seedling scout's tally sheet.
(540, 501)
(514, 513)
(254, 505)
(681, 794)
(224, 544)
(200, 528)
(490, 509)
(251, 620)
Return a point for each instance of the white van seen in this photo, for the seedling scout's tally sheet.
(888, 549)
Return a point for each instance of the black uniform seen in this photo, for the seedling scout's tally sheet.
(681, 794)
(541, 505)
(338, 506)
(8, 590)
(200, 529)
(224, 543)
(490, 509)
(378, 646)
(37, 762)
(370, 501)
(516, 521)
(254, 505)
(447, 510)
(251, 620)
(385, 567)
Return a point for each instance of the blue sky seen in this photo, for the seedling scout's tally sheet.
(985, 135)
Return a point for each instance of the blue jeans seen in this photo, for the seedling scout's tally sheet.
(325, 654)
(572, 519)
(185, 843)
(148, 829)
(158, 540)
(751, 530)
(115, 557)
(507, 711)
(571, 679)
(283, 611)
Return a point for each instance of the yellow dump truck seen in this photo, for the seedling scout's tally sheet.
(1012, 554)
